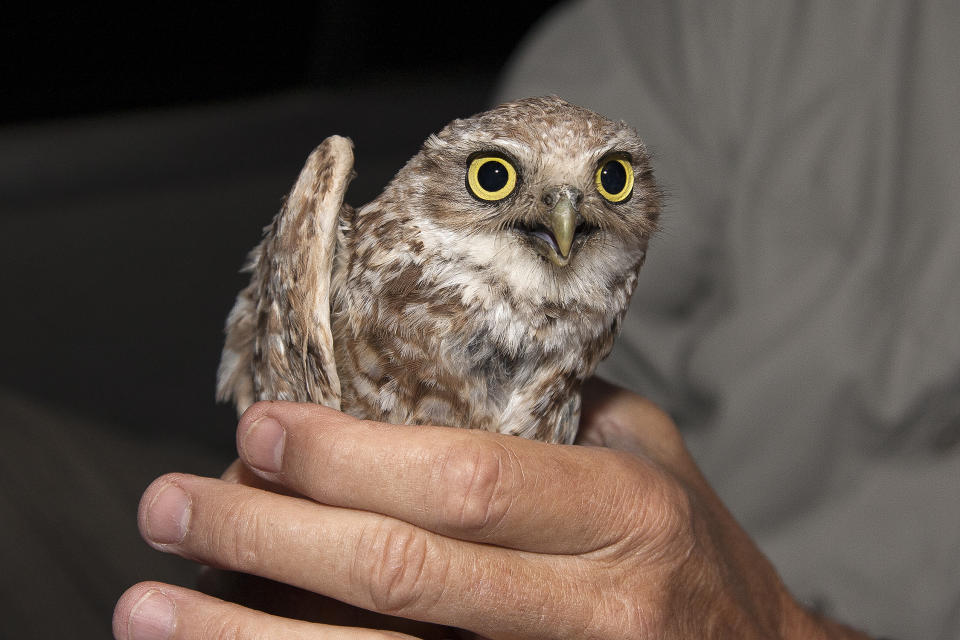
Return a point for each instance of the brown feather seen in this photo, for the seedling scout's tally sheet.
(440, 310)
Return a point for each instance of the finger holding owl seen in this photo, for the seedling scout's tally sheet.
(500, 536)
(479, 290)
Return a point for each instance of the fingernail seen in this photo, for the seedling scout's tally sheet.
(169, 516)
(152, 618)
(262, 445)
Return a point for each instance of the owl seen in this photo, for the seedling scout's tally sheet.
(479, 290)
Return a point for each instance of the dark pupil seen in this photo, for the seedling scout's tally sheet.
(613, 177)
(492, 175)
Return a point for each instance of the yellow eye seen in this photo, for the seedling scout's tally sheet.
(615, 179)
(491, 178)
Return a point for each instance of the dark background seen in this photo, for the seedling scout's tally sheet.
(144, 148)
(85, 60)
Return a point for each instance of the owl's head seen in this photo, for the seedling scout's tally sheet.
(547, 196)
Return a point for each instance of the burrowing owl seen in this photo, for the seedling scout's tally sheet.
(479, 290)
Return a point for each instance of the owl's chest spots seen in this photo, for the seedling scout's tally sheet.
(424, 357)
(428, 339)
(424, 376)
(483, 358)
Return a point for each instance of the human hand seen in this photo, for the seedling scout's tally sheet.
(504, 537)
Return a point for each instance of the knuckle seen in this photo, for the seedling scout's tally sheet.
(480, 484)
(237, 536)
(629, 604)
(649, 512)
(233, 624)
(667, 529)
(392, 564)
(639, 618)
(225, 627)
(677, 509)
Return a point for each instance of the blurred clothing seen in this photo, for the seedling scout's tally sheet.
(799, 313)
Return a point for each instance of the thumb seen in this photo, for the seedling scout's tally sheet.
(614, 417)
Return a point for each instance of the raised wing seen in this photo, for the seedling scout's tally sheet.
(279, 343)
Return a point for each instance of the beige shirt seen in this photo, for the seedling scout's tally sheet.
(799, 315)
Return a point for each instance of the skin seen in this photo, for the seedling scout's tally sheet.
(494, 535)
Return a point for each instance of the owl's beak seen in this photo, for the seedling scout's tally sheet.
(558, 226)
(563, 225)
(562, 222)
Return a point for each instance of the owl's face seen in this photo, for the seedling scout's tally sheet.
(545, 197)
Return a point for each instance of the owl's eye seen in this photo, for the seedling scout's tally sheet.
(615, 179)
(491, 178)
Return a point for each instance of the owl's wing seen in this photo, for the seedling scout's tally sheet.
(279, 343)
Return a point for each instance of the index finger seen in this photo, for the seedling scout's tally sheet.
(470, 485)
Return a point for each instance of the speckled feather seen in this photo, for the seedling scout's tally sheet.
(427, 306)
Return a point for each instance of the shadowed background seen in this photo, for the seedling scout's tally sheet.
(142, 150)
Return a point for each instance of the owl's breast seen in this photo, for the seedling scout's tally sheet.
(427, 336)
(423, 355)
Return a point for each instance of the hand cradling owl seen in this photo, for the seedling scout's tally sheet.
(479, 290)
